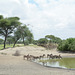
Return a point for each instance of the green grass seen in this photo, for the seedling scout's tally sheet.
(2, 46)
(11, 45)
(17, 45)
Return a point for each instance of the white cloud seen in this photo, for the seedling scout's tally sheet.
(46, 16)
(17, 1)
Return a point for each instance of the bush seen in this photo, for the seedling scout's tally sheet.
(67, 45)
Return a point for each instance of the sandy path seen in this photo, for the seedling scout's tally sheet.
(15, 65)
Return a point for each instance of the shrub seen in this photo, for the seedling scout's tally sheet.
(67, 45)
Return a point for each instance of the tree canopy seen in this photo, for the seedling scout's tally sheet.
(67, 45)
(42, 41)
(53, 39)
(7, 25)
(23, 33)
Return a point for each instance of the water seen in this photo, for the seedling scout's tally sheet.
(67, 63)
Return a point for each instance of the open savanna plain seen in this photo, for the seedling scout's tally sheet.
(16, 65)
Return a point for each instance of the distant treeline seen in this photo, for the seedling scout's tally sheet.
(50, 41)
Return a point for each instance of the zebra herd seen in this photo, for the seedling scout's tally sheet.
(53, 56)
(50, 56)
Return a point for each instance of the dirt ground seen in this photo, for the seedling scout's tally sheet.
(15, 65)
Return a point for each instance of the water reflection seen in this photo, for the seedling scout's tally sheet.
(63, 63)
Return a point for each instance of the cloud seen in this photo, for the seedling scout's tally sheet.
(44, 16)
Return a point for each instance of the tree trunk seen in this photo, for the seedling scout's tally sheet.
(23, 41)
(5, 42)
(6, 34)
(14, 43)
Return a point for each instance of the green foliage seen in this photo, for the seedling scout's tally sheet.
(7, 46)
(57, 40)
(35, 42)
(30, 37)
(67, 45)
(23, 33)
(42, 41)
(9, 40)
(1, 41)
(53, 39)
(1, 16)
(50, 37)
(7, 25)
(26, 42)
(10, 46)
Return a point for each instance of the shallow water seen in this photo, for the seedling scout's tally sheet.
(67, 63)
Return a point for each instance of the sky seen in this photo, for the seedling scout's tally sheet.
(45, 17)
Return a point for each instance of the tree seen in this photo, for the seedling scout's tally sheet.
(35, 42)
(23, 33)
(42, 41)
(1, 41)
(7, 25)
(29, 36)
(1, 16)
(50, 37)
(53, 39)
(9, 40)
(17, 36)
(57, 40)
(67, 45)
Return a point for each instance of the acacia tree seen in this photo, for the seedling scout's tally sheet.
(16, 37)
(50, 37)
(42, 41)
(53, 39)
(7, 25)
(29, 36)
(23, 33)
